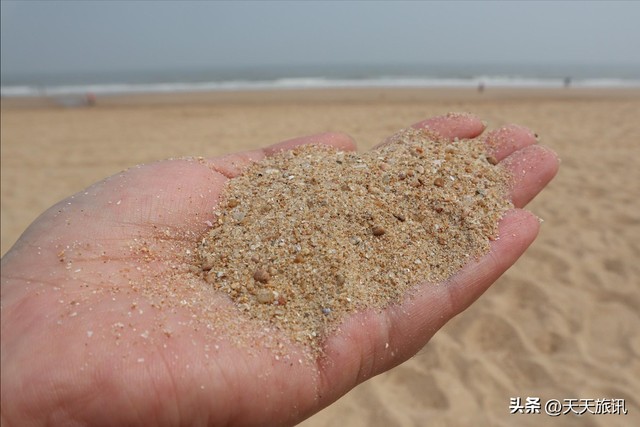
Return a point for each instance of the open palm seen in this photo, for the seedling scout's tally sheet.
(82, 344)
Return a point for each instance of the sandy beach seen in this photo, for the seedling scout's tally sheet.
(563, 323)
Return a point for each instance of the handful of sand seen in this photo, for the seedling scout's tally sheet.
(309, 235)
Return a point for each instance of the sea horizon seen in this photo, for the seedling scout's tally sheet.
(278, 77)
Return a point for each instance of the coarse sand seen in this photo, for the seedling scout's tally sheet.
(311, 234)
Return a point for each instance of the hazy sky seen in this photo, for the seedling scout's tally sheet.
(84, 36)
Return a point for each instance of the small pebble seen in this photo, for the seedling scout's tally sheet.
(492, 160)
(378, 230)
(261, 275)
(265, 296)
(438, 182)
(207, 263)
(238, 215)
(355, 240)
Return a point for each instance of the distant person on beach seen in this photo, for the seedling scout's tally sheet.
(75, 353)
(90, 98)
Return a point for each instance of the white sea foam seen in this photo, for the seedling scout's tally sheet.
(312, 83)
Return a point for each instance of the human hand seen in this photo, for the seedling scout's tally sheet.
(81, 343)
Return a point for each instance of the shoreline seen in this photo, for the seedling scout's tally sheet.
(322, 95)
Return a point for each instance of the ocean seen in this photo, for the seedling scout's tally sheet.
(319, 76)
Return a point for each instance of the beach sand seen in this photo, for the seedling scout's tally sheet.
(563, 323)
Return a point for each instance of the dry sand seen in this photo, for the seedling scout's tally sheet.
(563, 323)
